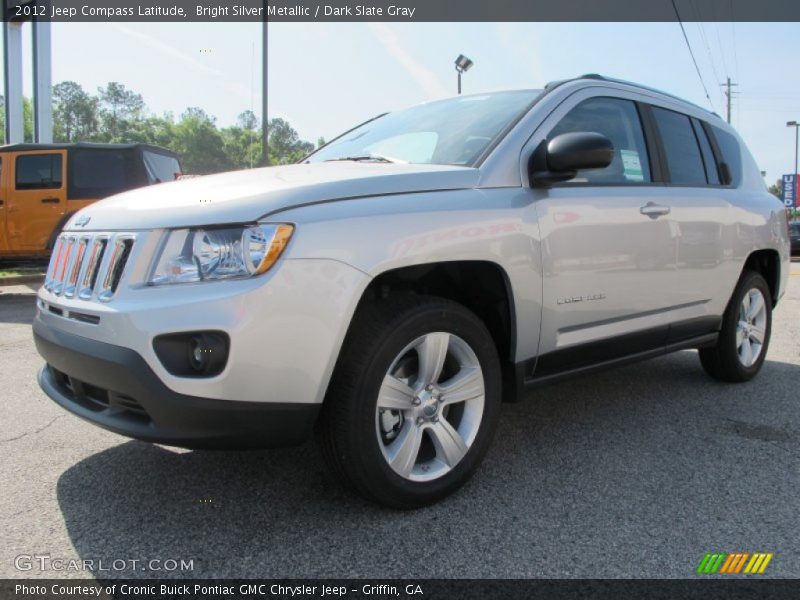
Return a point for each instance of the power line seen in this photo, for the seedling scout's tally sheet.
(691, 53)
(733, 36)
(711, 60)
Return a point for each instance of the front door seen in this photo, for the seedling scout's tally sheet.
(608, 250)
(36, 197)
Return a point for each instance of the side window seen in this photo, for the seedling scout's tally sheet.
(161, 167)
(680, 144)
(619, 121)
(731, 155)
(99, 173)
(709, 162)
(38, 172)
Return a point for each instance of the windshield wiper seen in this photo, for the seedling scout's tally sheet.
(364, 158)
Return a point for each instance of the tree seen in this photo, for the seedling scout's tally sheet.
(248, 120)
(776, 189)
(120, 109)
(74, 113)
(199, 143)
(285, 145)
(27, 118)
(117, 114)
(242, 142)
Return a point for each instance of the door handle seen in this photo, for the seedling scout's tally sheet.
(653, 210)
(50, 200)
(2, 202)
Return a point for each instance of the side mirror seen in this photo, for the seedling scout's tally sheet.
(562, 157)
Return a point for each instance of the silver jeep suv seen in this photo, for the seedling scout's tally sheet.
(395, 286)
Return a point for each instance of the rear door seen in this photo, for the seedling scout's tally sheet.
(702, 217)
(36, 197)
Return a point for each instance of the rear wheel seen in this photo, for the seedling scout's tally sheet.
(414, 401)
(744, 337)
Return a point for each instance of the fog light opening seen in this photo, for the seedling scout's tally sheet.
(193, 354)
(197, 354)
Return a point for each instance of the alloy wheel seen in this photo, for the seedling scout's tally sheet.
(430, 406)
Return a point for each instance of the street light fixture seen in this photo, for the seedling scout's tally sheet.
(463, 64)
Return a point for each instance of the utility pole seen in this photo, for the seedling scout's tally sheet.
(728, 94)
(264, 103)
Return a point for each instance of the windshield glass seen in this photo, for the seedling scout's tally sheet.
(448, 132)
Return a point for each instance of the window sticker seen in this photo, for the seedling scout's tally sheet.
(631, 165)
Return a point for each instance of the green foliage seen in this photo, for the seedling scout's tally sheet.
(117, 114)
(285, 145)
(120, 109)
(199, 143)
(776, 189)
(75, 113)
(27, 116)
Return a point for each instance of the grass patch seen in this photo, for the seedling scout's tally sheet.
(7, 273)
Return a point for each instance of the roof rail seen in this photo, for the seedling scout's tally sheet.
(597, 77)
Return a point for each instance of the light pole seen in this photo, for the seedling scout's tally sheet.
(463, 64)
(796, 126)
(264, 97)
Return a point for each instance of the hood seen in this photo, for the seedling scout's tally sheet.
(245, 196)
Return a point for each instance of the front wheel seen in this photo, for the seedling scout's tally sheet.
(413, 402)
(744, 338)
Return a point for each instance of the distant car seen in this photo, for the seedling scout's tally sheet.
(794, 235)
(43, 185)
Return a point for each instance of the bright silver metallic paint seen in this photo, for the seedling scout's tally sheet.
(355, 221)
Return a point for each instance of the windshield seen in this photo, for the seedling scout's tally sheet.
(447, 132)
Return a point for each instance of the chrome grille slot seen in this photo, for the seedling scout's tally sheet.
(89, 277)
(80, 261)
(55, 259)
(116, 265)
(75, 267)
(63, 265)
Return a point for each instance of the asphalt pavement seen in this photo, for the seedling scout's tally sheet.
(633, 472)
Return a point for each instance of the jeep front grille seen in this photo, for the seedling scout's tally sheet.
(84, 265)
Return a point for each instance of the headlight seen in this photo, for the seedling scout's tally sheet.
(210, 254)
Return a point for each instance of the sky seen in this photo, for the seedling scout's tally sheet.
(326, 77)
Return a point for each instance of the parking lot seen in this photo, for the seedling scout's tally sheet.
(634, 472)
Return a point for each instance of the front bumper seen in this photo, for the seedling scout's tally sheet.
(115, 388)
(285, 327)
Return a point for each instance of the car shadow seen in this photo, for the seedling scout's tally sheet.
(570, 463)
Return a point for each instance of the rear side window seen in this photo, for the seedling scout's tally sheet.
(680, 144)
(38, 172)
(731, 155)
(709, 162)
(100, 173)
(161, 167)
(618, 120)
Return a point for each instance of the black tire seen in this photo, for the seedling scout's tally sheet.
(347, 428)
(722, 361)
